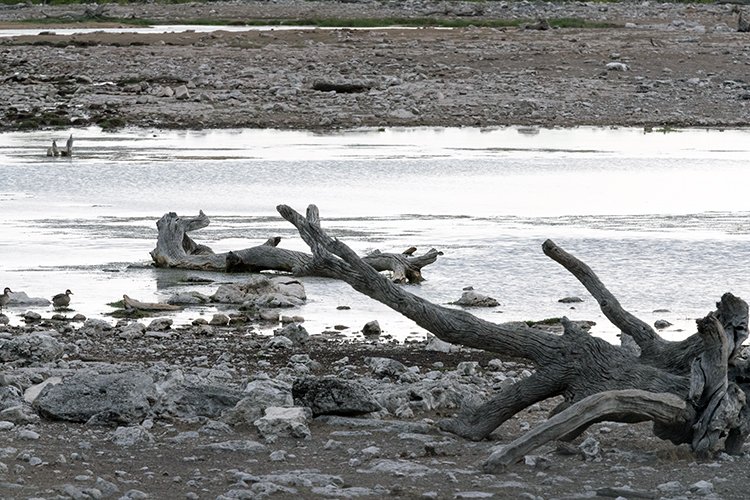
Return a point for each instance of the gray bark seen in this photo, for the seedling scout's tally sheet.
(576, 365)
(174, 248)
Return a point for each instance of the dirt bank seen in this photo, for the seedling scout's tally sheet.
(669, 64)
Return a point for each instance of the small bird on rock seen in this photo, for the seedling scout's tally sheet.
(62, 299)
(5, 297)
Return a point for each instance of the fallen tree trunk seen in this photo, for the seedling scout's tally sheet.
(174, 248)
(694, 390)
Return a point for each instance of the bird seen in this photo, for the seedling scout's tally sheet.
(53, 151)
(5, 297)
(62, 300)
(68, 151)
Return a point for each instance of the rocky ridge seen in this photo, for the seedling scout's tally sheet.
(666, 64)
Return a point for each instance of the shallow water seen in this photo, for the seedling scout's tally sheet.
(175, 28)
(661, 217)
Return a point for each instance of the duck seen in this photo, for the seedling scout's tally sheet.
(62, 300)
(5, 297)
(68, 151)
(53, 151)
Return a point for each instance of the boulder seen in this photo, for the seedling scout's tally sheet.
(246, 446)
(470, 298)
(89, 396)
(371, 329)
(385, 367)
(94, 327)
(22, 299)
(333, 396)
(188, 298)
(259, 395)
(33, 347)
(188, 399)
(132, 331)
(294, 332)
(10, 396)
(284, 422)
(160, 324)
(660, 324)
(570, 300)
(181, 92)
(131, 436)
(263, 291)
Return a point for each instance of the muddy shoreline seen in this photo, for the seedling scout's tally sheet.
(680, 65)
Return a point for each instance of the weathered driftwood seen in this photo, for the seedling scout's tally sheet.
(694, 390)
(174, 248)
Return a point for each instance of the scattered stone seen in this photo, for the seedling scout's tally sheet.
(470, 298)
(263, 292)
(32, 316)
(570, 300)
(22, 299)
(245, 446)
(120, 398)
(257, 396)
(30, 394)
(294, 332)
(160, 324)
(32, 348)
(181, 93)
(590, 449)
(385, 367)
(333, 396)
(660, 324)
(371, 329)
(702, 488)
(617, 66)
(131, 436)
(219, 320)
(188, 298)
(284, 422)
(437, 345)
(187, 399)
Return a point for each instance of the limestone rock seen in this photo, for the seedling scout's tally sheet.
(32, 348)
(262, 291)
(258, 395)
(470, 298)
(371, 329)
(284, 422)
(294, 332)
(131, 436)
(385, 367)
(188, 399)
(333, 396)
(120, 397)
(22, 299)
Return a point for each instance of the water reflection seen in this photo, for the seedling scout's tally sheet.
(661, 217)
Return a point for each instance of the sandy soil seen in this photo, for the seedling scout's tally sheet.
(674, 65)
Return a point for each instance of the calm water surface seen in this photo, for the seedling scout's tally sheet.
(661, 217)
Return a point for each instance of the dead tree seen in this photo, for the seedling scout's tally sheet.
(693, 390)
(174, 248)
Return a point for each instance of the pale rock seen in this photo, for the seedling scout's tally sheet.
(287, 422)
